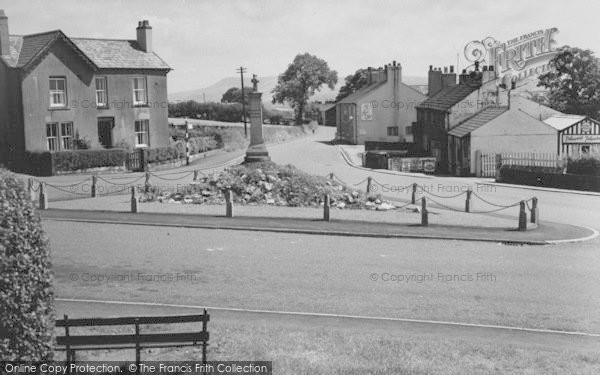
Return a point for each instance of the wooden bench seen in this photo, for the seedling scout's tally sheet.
(138, 341)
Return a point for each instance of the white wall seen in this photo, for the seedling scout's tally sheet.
(513, 131)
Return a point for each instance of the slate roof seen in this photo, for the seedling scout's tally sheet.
(119, 54)
(101, 53)
(476, 121)
(448, 97)
(561, 122)
(353, 98)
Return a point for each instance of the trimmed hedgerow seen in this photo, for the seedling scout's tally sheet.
(86, 159)
(584, 166)
(26, 298)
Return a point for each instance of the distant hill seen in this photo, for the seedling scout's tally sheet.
(214, 93)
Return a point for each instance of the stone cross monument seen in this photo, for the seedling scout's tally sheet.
(257, 150)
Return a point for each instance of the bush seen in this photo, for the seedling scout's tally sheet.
(585, 166)
(26, 312)
(85, 159)
(162, 154)
(547, 177)
(39, 163)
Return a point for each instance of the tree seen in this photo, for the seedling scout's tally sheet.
(574, 82)
(353, 83)
(305, 75)
(234, 95)
(26, 312)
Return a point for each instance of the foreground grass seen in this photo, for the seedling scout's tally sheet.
(313, 350)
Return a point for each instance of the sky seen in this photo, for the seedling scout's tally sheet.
(206, 40)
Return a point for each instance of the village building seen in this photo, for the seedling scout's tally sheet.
(56, 90)
(382, 111)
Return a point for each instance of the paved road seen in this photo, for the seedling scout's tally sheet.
(314, 155)
(553, 287)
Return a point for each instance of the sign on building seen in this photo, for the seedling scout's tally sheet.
(366, 112)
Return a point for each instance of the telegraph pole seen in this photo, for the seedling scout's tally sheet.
(242, 70)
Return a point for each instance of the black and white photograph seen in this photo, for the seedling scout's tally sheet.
(308, 187)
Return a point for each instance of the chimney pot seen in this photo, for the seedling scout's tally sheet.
(476, 66)
(430, 67)
(485, 68)
(491, 68)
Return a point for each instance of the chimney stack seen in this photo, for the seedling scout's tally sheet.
(434, 81)
(4, 39)
(144, 36)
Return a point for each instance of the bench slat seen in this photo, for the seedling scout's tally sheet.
(87, 340)
(88, 322)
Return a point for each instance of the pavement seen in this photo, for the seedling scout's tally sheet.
(286, 220)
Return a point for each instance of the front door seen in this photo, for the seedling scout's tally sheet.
(105, 127)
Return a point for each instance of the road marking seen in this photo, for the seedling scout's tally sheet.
(326, 315)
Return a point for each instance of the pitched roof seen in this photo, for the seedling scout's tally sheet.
(119, 54)
(449, 96)
(101, 53)
(352, 98)
(476, 121)
(561, 122)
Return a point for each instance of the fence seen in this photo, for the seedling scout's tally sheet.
(488, 164)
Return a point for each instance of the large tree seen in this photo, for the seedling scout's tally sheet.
(234, 95)
(305, 75)
(353, 83)
(574, 82)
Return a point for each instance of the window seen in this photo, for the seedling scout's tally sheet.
(66, 135)
(139, 91)
(142, 133)
(392, 131)
(58, 92)
(101, 92)
(52, 136)
(409, 129)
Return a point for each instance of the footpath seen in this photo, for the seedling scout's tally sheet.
(400, 223)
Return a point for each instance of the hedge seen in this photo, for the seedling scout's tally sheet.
(86, 159)
(585, 166)
(26, 298)
(547, 177)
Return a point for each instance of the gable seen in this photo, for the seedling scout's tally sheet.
(514, 122)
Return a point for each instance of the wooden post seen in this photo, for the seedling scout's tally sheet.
(369, 182)
(478, 164)
(522, 217)
(414, 193)
(424, 213)
(68, 344)
(468, 202)
(535, 213)
(204, 344)
(31, 189)
(228, 203)
(137, 346)
(43, 197)
(147, 182)
(196, 175)
(134, 200)
(326, 208)
(94, 182)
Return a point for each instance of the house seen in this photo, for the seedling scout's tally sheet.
(382, 111)
(449, 103)
(58, 92)
(522, 127)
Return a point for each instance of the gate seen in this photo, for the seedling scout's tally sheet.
(489, 164)
(136, 160)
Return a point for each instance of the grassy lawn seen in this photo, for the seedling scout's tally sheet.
(304, 348)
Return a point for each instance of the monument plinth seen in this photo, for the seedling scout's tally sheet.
(257, 151)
